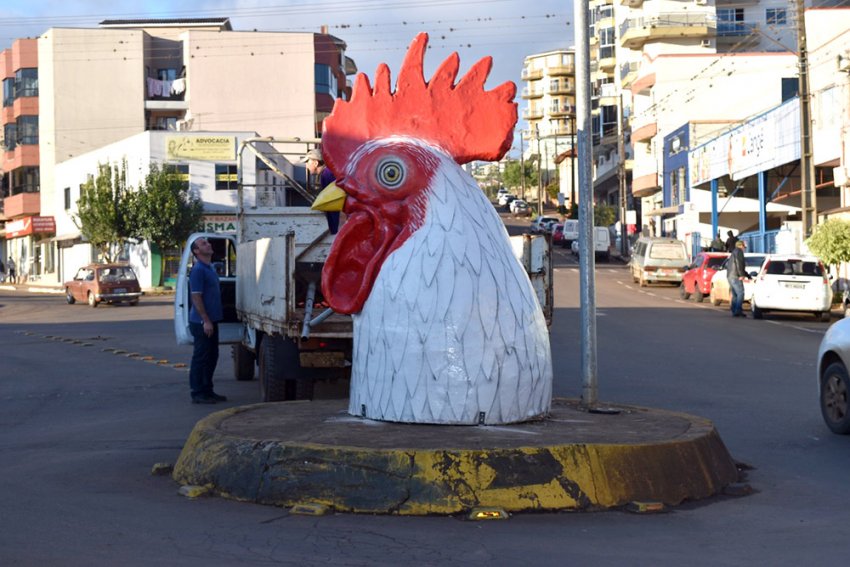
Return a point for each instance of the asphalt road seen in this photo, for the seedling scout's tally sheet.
(81, 427)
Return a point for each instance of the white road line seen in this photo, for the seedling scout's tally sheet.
(780, 324)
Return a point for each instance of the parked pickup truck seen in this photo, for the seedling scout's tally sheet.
(270, 273)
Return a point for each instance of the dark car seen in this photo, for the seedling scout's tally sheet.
(95, 283)
(696, 280)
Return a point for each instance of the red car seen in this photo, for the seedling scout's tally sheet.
(558, 235)
(697, 279)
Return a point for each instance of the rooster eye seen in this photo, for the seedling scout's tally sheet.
(390, 173)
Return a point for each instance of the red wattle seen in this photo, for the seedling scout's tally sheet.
(354, 261)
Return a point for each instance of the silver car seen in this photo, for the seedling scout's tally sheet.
(833, 380)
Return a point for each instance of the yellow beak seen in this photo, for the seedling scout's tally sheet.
(330, 200)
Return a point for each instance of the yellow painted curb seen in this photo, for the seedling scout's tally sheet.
(411, 480)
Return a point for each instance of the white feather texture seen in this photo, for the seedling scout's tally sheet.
(452, 332)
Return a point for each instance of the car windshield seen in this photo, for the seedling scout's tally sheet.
(753, 261)
(667, 251)
(714, 262)
(117, 274)
(794, 267)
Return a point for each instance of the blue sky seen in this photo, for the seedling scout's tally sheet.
(375, 30)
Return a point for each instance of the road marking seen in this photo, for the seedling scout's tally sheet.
(782, 324)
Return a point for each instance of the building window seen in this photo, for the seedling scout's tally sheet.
(27, 130)
(67, 198)
(10, 137)
(25, 180)
(26, 82)
(325, 80)
(8, 91)
(775, 16)
(606, 43)
(166, 123)
(225, 177)
(181, 173)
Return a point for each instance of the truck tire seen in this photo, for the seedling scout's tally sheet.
(243, 362)
(281, 376)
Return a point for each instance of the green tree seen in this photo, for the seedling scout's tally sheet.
(102, 209)
(830, 242)
(514, 171)
(604, 215)
(165, 213)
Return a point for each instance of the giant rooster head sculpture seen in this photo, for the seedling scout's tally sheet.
(447, 327)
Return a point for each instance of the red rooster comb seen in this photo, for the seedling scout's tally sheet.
(463, 119)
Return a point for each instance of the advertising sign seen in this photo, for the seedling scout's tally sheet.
(201, 148)
(30, 225)
(219, 223)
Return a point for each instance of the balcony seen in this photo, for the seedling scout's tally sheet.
(561, 70)
(628, 72)
(732, 32)
(562, 88)
(528, 93)
(532, 114)
(532, 74)
(562, 111)
(608, 95)
(22, 204)
(165, 95)
(635, 32)
(645, 185)
(645, 129)
(607, 58)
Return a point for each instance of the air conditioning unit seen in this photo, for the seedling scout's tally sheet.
(705, 43)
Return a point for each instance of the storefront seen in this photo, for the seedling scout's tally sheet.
(29, 245)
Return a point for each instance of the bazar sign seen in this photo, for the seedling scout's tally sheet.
(219, 223)
(203, 148)
(30, 225)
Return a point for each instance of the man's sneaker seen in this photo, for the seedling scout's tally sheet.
(218, 398)
(203, 400)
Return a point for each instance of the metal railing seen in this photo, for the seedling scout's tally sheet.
(669, 20)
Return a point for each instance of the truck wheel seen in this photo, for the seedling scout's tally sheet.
(243, 362)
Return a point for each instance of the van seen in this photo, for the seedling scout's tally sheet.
(570, 232)
(601, 243)
(658, 259)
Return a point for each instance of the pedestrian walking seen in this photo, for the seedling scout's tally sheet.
(13, 277)
(204, 314)
(736, 273)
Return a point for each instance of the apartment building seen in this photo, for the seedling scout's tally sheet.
(101, 85)
(20, 219)
(667, 63)
(549, 92)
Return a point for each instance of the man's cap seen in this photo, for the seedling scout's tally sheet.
(315, 154)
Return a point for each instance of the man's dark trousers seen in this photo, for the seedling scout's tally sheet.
(204, 361)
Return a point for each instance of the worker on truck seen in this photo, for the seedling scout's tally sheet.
(316, 166)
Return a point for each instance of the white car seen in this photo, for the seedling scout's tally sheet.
(505, 198)
(833, 380)
(792, 282)
(719, 290)
(542, 225)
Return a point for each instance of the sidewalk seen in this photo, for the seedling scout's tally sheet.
(41, 287)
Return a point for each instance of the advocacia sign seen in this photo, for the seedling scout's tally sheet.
(202, 148)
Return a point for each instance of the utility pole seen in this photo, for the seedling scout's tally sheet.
(621, 174)
(539, 174)
(808, 195)
(587, 264)
(573, 160)
(521, 165)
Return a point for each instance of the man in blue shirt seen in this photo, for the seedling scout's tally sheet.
(204, 314)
